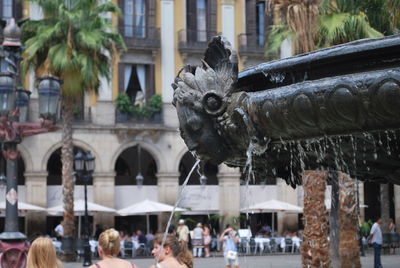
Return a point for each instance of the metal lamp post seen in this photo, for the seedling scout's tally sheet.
(84, 166)
(139, 176)
(14, 103)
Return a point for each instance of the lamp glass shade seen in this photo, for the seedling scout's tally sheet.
(7, 94)
(89, 162)
(203, 180)
(49, 96)
(22, 103)
(79, 161)
(139, 179)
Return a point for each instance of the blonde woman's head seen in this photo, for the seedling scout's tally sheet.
(109, 243)
(42, 254)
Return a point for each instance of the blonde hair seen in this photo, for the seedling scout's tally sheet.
(178, 248)
(109, 242)
(42, 254)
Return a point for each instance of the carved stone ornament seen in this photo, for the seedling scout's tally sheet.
(336, 108)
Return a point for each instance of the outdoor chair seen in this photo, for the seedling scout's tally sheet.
(273, 245)
(386, 243)
(288, 245)
(267, 247)
(252, 245)
(79, 247)
(394, 241)
(142, 250)
(128, 249)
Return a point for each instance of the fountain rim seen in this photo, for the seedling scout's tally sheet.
(360, 47)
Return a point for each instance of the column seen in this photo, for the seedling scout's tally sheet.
(36, 194)
(228, 20)
(286, 221)
(229, 192)
(168, 191)
(397, 206)
(168, 61)
(104, 194)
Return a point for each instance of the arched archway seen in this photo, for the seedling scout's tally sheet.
(208, 169)
(127, 167)
(54, 168)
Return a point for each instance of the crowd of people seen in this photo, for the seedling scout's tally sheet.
(174, 252)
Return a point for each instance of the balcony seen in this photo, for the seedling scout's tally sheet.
(251, 45)
(193, 41)
(148, 113)
(144, 38)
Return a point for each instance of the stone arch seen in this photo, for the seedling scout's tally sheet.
(179, 157)
(153, 150)
(78, 143)
(26, 158)
(132, 162)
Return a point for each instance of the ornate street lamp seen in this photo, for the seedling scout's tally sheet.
(84, 166)
(139, 176)
(14, 102)
(49, 96)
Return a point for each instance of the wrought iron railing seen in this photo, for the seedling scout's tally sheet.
(193, 40)
(251, 44)
(147, 38)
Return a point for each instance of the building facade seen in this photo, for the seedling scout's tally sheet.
(161, 37)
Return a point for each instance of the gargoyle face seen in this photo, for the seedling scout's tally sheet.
(199, 134)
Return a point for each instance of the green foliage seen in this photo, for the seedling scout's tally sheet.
(73, 41)
(124, 105)
(366, 227)
(277, 34)
(343, 21)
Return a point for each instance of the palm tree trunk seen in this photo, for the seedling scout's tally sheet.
(348, 221)
(315, 248)
(385, 207)
(67, 177)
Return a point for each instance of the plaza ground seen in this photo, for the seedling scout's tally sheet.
(270, 261)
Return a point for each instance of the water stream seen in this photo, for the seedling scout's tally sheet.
(180, 195)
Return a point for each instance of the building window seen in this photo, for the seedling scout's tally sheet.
(260, 22)
(135, 83)
(196, 17)
(135, 18)
(201, 11)
(7, 12)
(139, 82)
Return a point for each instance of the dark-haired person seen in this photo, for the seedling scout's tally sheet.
(174, 253)
(109, 247)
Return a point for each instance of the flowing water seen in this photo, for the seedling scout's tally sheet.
(180, 195)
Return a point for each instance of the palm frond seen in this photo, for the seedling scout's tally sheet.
(277, 34)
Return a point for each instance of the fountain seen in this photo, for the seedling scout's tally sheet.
(335, 109)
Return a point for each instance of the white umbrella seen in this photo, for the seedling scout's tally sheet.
(147, 207)
(273, 206)
(22, 206)
(79, 209)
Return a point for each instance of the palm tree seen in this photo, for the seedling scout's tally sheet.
(73, 41)
(319, 23)
(342, 21)
(296, 19)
